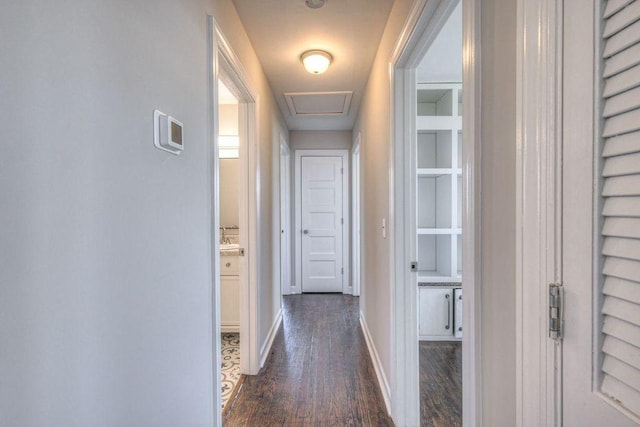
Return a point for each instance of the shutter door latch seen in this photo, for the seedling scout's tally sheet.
(556, 302)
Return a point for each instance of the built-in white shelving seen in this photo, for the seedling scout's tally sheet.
(439, 182)
(438, 210)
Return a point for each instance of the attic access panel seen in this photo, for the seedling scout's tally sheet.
(303, 104)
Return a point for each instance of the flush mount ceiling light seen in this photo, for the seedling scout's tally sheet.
(316, 61)
(315, 4)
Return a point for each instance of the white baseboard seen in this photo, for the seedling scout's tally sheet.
(266, 347)
(230, 327)
(382, 379)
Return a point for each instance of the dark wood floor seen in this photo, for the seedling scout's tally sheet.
(318, 374)
(440, 384)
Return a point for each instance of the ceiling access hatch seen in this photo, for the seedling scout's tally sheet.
(303, 104)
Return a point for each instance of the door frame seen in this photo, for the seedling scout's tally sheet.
(356, 215)
(346, 285)
(539, 77)
(225, 65)
(285, 217)
(425, 21)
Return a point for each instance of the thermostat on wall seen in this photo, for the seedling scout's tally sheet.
(168, 133)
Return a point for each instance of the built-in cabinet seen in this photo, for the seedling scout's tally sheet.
(230, 293)
(438, 210)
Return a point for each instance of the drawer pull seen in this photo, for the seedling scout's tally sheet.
(228, 264)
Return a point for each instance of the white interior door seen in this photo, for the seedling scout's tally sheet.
(322, 219)
(601, 259)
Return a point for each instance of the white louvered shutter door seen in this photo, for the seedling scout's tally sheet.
(621, 204)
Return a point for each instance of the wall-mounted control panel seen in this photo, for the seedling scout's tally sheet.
(168, 133)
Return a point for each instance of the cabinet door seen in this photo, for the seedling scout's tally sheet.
(457, 315)
(436, 312)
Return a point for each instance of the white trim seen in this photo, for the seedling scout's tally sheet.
(213, 195)
(268, 342)
(377, 365)
(227, 67)
(356, 194)
(346, 285)
(285, 217)
(472, 213)
(538, 208)
(230, 327)
(422, 26)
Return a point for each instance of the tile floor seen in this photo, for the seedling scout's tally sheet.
(230, 364)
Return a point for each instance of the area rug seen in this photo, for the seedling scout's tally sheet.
(230, 365)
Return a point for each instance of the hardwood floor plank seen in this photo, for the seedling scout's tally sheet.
(319, 372)
(440, 384)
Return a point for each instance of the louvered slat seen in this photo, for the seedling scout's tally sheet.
(620, 82)
(622, 102)
(622, 206)
(622, 227)
(622, 289)
(622, 19)
(622, 144)
(619, 369)
(623, 310)
(622, 40)
(622, 186)
(622, 248)
(628, 164)
(622, 61)
(614, 6)
(621, 330)
(620, 298)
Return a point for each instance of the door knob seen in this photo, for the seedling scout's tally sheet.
(305, 231)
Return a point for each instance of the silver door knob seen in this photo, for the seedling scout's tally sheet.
(305, 231)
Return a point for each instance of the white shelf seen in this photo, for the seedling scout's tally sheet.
(431, 123)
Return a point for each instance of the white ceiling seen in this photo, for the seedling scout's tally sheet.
(281, 30)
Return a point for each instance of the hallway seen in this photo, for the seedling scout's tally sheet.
(319, 371)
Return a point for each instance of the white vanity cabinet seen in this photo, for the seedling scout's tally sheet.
(440, 313)
(229, 294)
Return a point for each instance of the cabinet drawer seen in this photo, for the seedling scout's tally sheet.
(229, 266)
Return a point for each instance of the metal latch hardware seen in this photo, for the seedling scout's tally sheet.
(556, 300)
(414, 266)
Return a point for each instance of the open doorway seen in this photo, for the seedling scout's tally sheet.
(234, 216)
(434, 227)
(230, 235)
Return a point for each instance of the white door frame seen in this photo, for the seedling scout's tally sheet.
(356, 215)
(225, 65)
(346, 285)
(538, 208)
(285, 217)
(425, 21)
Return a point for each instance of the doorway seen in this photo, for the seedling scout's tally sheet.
(285, 217)
(355, 214)
(434, 225)
(233, 131)
(322, 220)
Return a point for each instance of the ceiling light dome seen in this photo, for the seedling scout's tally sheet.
(315, 4)
(316, 61)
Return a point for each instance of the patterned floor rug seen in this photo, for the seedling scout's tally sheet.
(230, 364)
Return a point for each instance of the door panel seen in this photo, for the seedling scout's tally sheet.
(588, 391)
(322, 217)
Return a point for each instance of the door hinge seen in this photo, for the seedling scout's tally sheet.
(342, 221)
(342, 270)
(413, 266)
(556, 311)
(341, 171)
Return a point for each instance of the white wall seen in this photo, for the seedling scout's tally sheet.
(497, 210)
(443, 61)
(229, 192)
(105, 271)
(319, 139)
